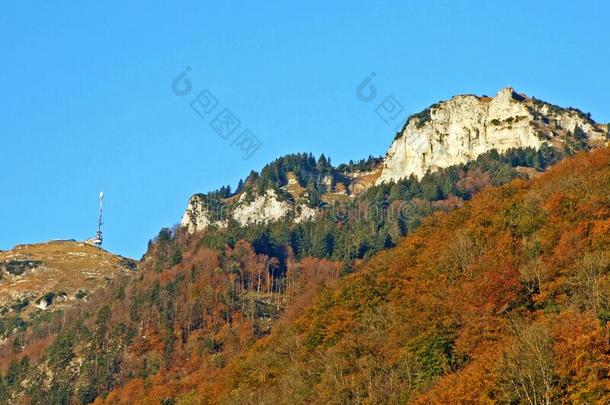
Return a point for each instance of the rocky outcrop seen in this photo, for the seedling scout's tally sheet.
(268, 208)
(248, 210)
(264, 208)
(303, 212)
(459, 130)
(198, 215)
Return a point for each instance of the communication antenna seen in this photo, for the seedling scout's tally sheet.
(97, 240)
(98, 235)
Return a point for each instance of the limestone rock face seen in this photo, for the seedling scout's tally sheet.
(197, 215)
(264, 208)
(304, 213)
(460, 129)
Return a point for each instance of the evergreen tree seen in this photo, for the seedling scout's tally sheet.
(240, 186)
(313, 194)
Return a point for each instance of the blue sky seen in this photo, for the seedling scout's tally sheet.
(88, 106)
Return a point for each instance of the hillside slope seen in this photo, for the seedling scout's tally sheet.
(51, 277)
(504, 300)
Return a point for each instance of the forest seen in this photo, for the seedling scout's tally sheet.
(380, 217)
(505, 300)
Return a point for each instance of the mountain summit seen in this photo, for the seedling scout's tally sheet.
(51, 277)
(458, 130)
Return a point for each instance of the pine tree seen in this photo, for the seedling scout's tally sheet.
(313, 193)
(240, 186)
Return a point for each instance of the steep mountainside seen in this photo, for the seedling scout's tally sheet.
(505, 300)
(446, 134)
(201, 299)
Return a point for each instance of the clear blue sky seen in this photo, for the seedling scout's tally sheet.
(87, 102)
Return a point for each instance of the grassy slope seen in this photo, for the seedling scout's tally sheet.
(63, 267)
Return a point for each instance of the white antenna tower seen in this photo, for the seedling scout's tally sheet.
(97, 240)
(98, 234)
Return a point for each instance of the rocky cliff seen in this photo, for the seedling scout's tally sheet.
(281, 200)
(459, 130)
(200, 214)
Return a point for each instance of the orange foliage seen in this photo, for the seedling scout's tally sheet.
(449, 316)
(513, 282)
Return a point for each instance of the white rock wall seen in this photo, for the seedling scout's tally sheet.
(465, 127)
(264, 208)
(196, 216)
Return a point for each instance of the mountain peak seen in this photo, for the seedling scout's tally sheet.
(460, 129)
(506, 91)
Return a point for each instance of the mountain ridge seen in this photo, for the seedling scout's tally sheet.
(447, 133)
(459, 129)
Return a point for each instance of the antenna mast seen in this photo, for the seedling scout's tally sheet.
(98, 235)
(97, 239)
